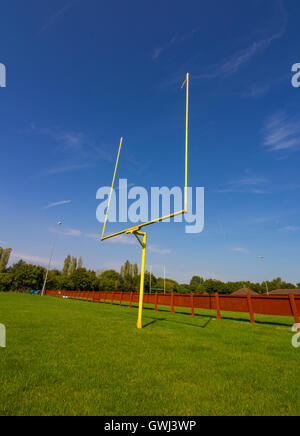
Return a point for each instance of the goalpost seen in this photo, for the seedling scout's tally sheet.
(136, 231)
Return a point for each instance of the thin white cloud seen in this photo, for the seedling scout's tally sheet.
(158, 250)
(232, 64)
(159, 50)
(67, 232)
(55, 17)
(291, 228)
(123, 239)
(247, 184)
(58, 203)
(264, 220)
(73, 141)
(34, 259)
(281, 132)
(240, 250)
(258, 90)
(65, 169)
(92, 236)
(249, 181)
(77, 150)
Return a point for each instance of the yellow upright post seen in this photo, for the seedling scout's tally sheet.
(141, 300)
(111, 189)
(187, 83)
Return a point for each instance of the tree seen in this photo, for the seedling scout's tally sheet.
(5, 259)
(279, 284)
(195, 282)
(129, 274)
(84, 280)
(65, 283)
(171, 285)
(53, 279)
(147, 282)
(29, 277)
(6, 281)
(128, 282)
(135, 270)
(212, 286)
(67, 265)
(109, 280)
(184, 289)
(73, 266)
(129, 269)
(15, 266)
(79, 264)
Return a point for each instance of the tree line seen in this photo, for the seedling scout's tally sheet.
(22, 276)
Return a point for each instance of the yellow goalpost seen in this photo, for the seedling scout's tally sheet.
(136, 231)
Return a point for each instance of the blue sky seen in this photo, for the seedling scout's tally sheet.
(82, 74)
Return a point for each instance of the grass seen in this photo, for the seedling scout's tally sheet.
(73, 358)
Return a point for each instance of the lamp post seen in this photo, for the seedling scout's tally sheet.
(51, 256)
(262, 260)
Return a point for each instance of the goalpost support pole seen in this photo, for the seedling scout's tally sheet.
(141, 299)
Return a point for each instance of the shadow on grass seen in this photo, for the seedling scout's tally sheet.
(174, 321)
(199, 315)
(154, 321)
(224, 317)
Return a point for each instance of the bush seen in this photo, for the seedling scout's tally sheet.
(6, 280)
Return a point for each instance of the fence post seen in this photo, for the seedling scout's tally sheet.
(156, 300)
(192, 304)
(131, 296)
(250, 306)
(294, 308)
(112, 298)
(218, 307)
(121, 298)
(172, 302)
(104, 299)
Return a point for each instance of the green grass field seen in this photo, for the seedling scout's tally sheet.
(73, 358)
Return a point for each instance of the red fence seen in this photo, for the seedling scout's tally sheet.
(252, 304)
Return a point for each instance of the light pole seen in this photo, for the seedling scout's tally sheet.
(150, 278)
(51, 256)
(262, 260)
(164, 279)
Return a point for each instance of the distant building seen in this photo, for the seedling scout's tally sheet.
(244, 291)
(281, 292)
